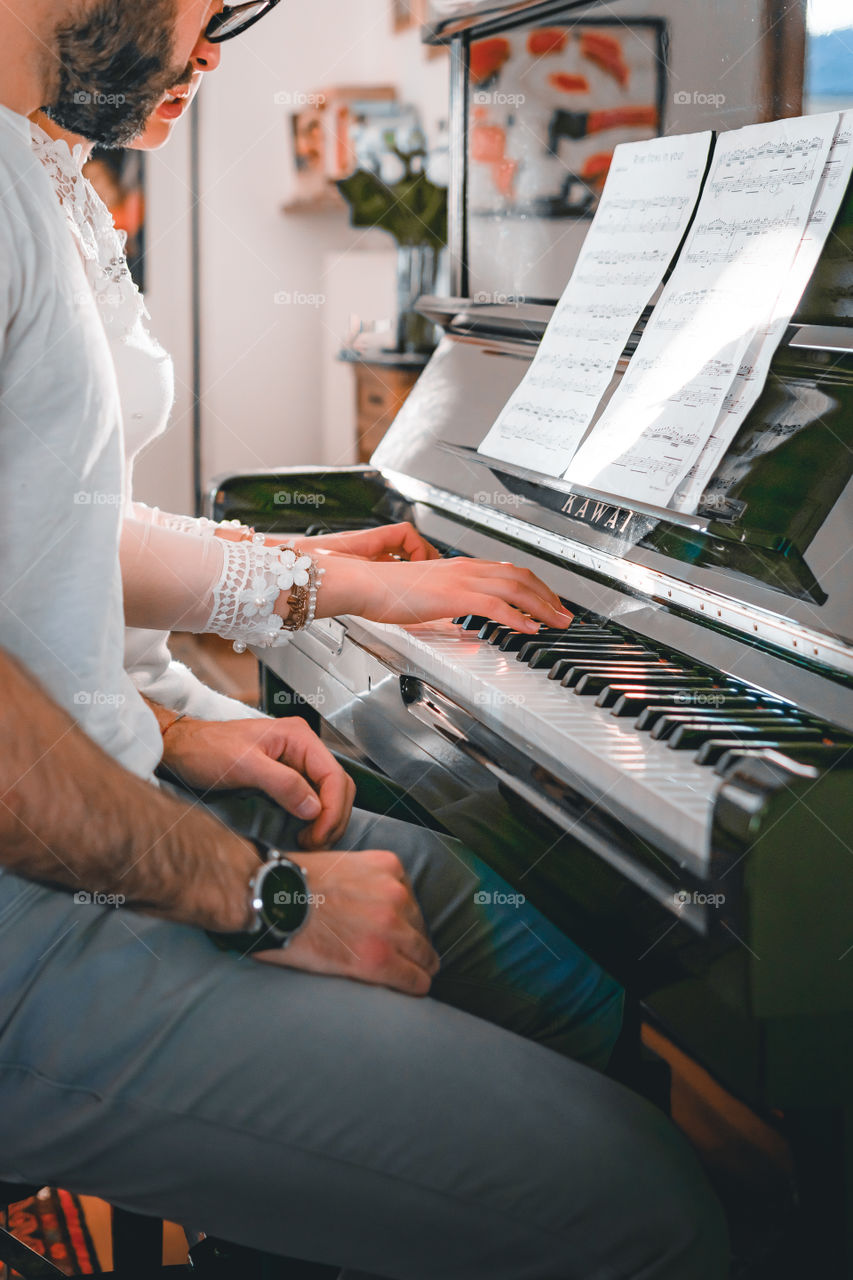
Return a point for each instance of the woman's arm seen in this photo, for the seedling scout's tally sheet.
(174, 581)
(386, 542)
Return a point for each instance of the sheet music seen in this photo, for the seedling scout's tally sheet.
(751, 219)
(751, 377)
(649, 197)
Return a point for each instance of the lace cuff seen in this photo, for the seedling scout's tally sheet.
(253, 576)
(200, 525)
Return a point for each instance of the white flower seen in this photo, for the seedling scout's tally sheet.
(259, 597)
(294, 571)
(266, 632)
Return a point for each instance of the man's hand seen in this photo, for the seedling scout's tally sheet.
(389, 542)
(364, 923)
(421, 592)
(283, 758)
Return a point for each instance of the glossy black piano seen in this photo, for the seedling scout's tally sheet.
(671, 780)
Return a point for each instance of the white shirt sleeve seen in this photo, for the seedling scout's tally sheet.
(175, 581)
(161, 678)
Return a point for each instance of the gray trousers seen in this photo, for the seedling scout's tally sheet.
(450, 1138)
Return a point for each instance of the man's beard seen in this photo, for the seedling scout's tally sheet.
(115, 64)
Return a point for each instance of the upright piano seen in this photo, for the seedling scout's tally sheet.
(670, 780)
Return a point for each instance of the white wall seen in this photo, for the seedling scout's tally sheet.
(263, 363)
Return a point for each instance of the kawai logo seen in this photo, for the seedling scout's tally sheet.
(601, 514)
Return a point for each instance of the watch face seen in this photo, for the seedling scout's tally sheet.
(284, 895)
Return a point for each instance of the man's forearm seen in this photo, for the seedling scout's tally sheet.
(71, 816)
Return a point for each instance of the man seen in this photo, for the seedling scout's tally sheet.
(283, 1104)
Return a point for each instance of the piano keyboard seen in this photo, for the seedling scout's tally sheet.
(643, 731)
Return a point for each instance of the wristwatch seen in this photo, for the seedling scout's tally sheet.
(280, 901)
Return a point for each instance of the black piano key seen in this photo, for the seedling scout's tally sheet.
(517, 639)
(665, 726)
(487, 629)
(471, 622)
(608, 659)
(616, 671)
(815, 753)
(652, 720)
(563, 661)
(534, 643)
(498, 634)
(663, 687)
(598, 684)
(565, 640)
(646, 708)
(688, 737)
(712, 751)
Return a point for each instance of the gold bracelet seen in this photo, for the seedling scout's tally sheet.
(302, 601)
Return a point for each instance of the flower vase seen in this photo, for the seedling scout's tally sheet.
(417, 269)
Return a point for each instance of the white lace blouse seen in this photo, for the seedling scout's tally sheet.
(187, 578)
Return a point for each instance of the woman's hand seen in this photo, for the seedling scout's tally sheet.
(426, 590)
(283, 758)
(389, 542)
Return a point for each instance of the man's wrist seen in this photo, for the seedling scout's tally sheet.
(227, 905)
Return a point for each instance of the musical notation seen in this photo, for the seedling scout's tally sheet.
(752, 372)
(627, 250)
(716, 313)
(620, 257)
(606, 282)
(526, 409)
(593, 325)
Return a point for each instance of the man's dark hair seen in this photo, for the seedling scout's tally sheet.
(115, 64)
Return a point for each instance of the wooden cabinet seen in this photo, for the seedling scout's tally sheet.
(381, 388)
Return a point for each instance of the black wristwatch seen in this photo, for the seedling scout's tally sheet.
(280, 901)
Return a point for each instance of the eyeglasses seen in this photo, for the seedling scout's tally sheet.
(234, 19)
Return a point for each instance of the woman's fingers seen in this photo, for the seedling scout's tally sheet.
(524, 579)
(533, 598)
(405, 543)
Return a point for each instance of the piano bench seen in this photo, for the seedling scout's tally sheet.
(138, 1248)
(635, 1066)
(137, 1245)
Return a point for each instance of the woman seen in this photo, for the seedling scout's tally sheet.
(189, 574)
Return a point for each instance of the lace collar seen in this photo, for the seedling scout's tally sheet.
(101, 246)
